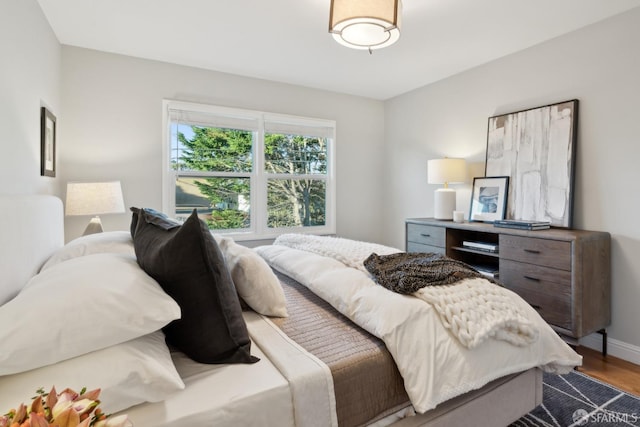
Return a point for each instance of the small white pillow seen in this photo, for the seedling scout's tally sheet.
(136, 371)
(255, 282)
(117, 242)
(78, 306)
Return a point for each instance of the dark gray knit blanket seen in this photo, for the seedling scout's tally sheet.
(405, 273)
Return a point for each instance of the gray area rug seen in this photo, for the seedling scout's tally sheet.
(578, 400)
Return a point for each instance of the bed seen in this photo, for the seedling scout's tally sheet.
(325, 358)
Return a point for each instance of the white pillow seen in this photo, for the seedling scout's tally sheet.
(136, 371)
(119, 242)
(80, 305)
(255, 282)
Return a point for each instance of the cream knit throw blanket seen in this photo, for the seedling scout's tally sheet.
(472, 309)
(476, 309)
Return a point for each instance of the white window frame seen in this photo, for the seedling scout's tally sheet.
(258, 229)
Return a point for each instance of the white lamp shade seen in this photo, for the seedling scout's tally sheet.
(446, 171)
(365, 24)
(94, 198)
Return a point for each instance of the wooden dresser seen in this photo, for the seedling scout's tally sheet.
(564, 274)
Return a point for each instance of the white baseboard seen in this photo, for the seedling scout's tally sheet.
(619, 349)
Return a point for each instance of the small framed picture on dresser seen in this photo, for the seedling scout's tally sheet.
(47, 143)
(489, 198)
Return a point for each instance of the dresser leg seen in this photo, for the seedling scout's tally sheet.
(603, 332)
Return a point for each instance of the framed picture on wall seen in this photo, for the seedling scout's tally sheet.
(47, 143)
(536, 149)
(489, 198)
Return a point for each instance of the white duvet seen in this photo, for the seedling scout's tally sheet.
(434, 365)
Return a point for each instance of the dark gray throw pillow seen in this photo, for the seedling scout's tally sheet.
(189, 266)
(158, 218)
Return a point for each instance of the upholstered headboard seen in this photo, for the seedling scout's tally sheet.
(31, 229)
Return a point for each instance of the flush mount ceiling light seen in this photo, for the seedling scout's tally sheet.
(365, 24)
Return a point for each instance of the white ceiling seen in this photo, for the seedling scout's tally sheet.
(288, 40)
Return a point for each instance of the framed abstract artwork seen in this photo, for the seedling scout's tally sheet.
(47, 143)
(489, 198)
(536, 148)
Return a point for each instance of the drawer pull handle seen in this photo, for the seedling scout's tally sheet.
(425, 235)
(535, 279)
(532, 251)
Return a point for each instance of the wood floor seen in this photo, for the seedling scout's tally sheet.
(617, 372)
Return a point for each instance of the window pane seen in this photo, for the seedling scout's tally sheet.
(223, 203)
(296, 203)
(197, 148)
(295, 154)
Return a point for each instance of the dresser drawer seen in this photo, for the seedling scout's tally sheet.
(554, 309)
(544, 279)
(548, 290)
(419, 247)
(426, 234)
(551, 253)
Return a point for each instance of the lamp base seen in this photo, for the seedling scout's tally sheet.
(95, 226)
(444, 203)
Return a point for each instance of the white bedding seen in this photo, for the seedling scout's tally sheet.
(472, 309)
(248, 394)
(434, 366)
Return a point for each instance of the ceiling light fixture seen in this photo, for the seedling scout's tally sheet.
(365, 24)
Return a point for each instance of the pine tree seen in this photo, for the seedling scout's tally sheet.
(291, 201)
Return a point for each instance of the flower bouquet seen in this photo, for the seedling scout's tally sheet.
(64, 409)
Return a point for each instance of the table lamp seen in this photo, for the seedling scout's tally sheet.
(445, 171)
(94, 198)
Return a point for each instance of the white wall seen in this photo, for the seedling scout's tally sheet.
(113, 130)
(29, 78)
(599, 65)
